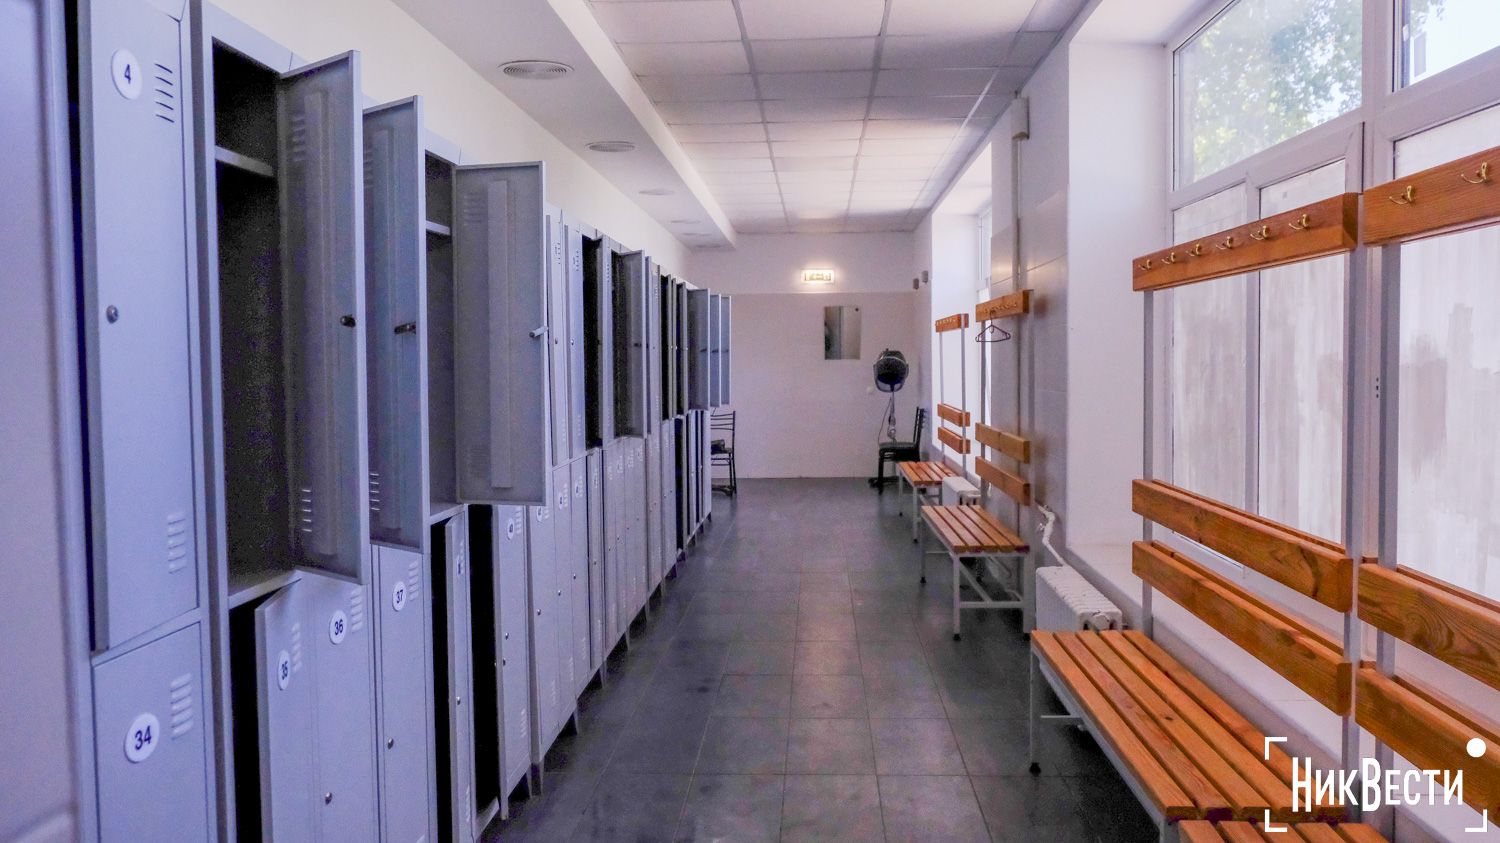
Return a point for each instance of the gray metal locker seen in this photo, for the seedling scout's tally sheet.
(578, 520)
(725, 320)
(599, 612)
(564, 567)
(515, 644)
(322, 205)
(396, 323)
(150, 744)
(500, 334)
(404, 686)
(546, 666)
(138, 305)
(577, 380)
(684, 349)
(558, 336)
(344, 695)
(461, 809)
(705, 472)
(698, 341)
(614, 605)
(286, 714)
(668, 515)
(652, 505)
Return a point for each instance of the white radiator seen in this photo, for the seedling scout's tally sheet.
(1065, 601)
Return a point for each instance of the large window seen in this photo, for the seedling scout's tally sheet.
(1438, 34)
(1262, 72)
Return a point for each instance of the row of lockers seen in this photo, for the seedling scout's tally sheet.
(384, 454)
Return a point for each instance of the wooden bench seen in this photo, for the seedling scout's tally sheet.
(1186, 752)
(970, 535)
(925, 480)
(1200, 831)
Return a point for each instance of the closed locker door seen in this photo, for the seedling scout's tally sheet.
(613, 607)
(563, 567)
(286, 709)
(500, 334)
(638, 515)
(577, 380)
(669, 494)
(460, 808)
(634, 528)
(149, 742)
(396, 293)
(545, 667)
(578, 512)
(404, 683)
(515, 641)
(652, 502)
(138, 316)
(344, 695)
(320, 132)
(725, 312)
(559, 336)
(594, 493)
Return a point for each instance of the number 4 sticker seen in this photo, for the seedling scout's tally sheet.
(126, 71)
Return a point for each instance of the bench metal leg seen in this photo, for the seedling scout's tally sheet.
(1034, 722)
(958, 577)
(916, 510)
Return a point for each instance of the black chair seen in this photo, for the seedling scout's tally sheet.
(721, 451)
(894, 452)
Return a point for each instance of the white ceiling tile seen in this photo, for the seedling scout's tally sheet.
(905, 146)
(956, 50)
(762, 228)
(667, 59)
(813, 54)
(815, 85)
(741, 165)
(747, 149)
(719, 132)
(782, 111)
(937, 128)
(674, 21)
(734, 111)
(689, 88)
(926, 83)
(899, 162)
(867, 175)
(816, 19)
(844, 177)
(920, 107)
(941, 17)
(837, 130)
(804, 149)
(787, 165)
(1030, 48)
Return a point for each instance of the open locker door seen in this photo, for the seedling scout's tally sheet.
(577, 379)
(500, 334)
(319, 125)
(630, 345)
(286, 709)
(396, 292)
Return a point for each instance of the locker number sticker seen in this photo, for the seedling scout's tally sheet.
(127, 73)
(398, 596)
(141, 740)
(510, 528)
(577, 488)
(283, 670)
(338, 626)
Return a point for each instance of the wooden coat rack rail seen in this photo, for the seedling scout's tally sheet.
(1011, 304)
(1450, 197)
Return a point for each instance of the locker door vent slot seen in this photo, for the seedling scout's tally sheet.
(164, 87)
(181, 703)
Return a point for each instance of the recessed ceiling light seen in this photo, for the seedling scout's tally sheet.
(536, 69)
(612, 146)
(686, 222)
(657, 191)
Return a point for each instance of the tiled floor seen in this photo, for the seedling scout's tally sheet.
(797, 683)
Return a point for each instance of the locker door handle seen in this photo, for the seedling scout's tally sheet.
(538, 333)
(347, 320)
(406, 328)
(390, 742)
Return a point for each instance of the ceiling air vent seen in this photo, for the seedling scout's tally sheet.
(657, 191)
(535, 69)
(612, 146)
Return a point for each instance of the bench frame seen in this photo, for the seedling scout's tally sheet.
(1017, 596)
(920, 493)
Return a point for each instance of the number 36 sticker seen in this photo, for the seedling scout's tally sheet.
(338, 626)
(140, 740)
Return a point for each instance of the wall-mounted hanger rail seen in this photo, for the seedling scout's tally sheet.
(1011, 304)
(1312, 231)
(1449, 197)
(956, 322)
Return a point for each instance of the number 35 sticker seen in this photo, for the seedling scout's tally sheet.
(140, 741)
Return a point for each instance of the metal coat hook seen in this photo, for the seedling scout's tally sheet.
(990, 329)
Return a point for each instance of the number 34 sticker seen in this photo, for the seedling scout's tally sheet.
(140, 740)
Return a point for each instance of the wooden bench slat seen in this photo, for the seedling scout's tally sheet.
(944, 523)
(1208, 801)
(1009, 444)
(1360, 833)
(1264, 521)
(1311, 568)
(953, 440)
(1202, 831)
(997, 532)
(924, 473)
(971, 529)
(950, 413)
(1310, 659)
(1198, 831)
(1240, 832)
(1462, 630)
(1016, 488)
(1168, 798)
(1243, 798)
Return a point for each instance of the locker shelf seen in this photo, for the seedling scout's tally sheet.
(254, 166)
(438, 228)
(249, 583)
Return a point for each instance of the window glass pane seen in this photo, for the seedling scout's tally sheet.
(1208, 371)
(1301, 424)
(1455, 139)
(1262, 72)
(1448, 462)
(1439, 34)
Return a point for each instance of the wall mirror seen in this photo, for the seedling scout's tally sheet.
(841, 333)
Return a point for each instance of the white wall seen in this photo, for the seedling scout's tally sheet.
(956, 278)
(801, 415)
(399, 58)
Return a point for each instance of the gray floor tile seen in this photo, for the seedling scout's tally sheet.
(915, 747)
(838, 627)
(633, 806)
(912, 695)
(779, 626)
(824, 581)
(931, 809)
(744, 745)
(830, 746)
(885, 626)
(732, 808)
(828, 695)
(1026, 808)
(760, 657)
(822, 563)
(827, 657)
(754, 696)
(831, 809)
(659, 745)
